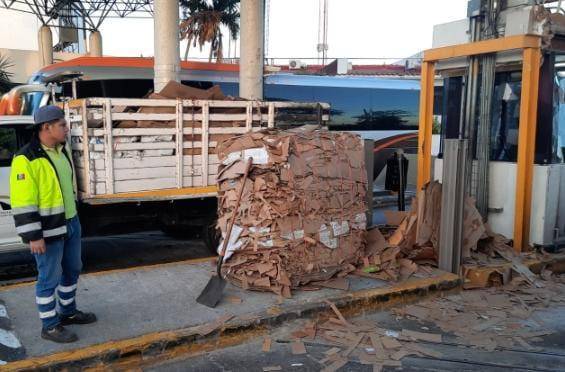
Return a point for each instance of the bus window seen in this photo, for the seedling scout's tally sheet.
(8, 146)
(370, 109)
(505, 117)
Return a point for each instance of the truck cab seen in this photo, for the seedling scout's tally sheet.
(14, 133)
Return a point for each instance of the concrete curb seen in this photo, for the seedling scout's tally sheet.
(11, 348)
(187, 341)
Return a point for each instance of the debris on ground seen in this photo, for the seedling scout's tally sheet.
(302, 216)
(416, 242)
(485, 319)
(493, 317)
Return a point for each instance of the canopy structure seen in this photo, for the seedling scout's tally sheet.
(93, 12)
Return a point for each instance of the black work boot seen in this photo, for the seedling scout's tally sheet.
(78, 318)
(58, 334)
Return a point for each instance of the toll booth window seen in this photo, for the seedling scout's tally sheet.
(8, 146)
(505, 117)
(559, 118)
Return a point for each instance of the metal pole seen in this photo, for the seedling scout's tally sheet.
(526, 146)
(426, 124)
(251, 49)
(483, 134)
(402, 182)
(452, 205)
(369, 147)
(166, 38)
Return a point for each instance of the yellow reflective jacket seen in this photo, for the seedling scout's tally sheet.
(35, 195)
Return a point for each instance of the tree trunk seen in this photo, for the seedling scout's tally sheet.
(186, 50)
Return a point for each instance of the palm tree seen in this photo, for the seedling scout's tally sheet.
(202, 24)
(5, 76)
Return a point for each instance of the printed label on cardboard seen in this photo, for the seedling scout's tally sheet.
(359, 222)
(340, 228)
(326, 238)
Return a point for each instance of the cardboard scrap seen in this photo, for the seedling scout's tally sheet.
(309, 331)
(266, 345)
(402, 353)
(337, 283)
(298, 348)
(394, 218)
(353, 345)
(337, 312)
(424, 350)
(390, 343)
(509, 254)
(377, 344)
(335, 365)
(416, 311)
(208, 328)
(414, 335)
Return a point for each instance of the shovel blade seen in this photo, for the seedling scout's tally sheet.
(212, 293)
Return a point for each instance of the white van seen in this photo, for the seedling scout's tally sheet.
(13, 135)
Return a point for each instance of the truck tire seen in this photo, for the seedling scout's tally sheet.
(211, 236)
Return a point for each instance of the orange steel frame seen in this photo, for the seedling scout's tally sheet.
(531, 60)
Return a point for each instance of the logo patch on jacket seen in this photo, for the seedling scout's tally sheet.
(21, 176)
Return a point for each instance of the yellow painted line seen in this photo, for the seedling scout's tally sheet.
(135, 346)
(192, 261)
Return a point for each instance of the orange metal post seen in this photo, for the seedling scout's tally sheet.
(483, 47)
(426, 124)
(526, 146)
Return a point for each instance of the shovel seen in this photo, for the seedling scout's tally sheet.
(212, 293)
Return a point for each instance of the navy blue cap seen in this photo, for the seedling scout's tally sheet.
(45, 114)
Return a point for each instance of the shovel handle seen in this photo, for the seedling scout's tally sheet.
(234, 215)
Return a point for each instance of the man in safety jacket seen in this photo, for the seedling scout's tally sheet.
(43, 202)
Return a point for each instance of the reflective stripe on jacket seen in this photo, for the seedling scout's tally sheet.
(35, 195)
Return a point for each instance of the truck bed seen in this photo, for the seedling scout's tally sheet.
(164, 149)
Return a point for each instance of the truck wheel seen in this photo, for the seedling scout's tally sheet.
(211, 236)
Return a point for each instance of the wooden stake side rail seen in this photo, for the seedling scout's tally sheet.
(168, 148)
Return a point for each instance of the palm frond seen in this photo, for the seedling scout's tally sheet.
(203, 20)
(5, 76)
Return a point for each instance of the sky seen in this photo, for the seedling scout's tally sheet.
(357, 29)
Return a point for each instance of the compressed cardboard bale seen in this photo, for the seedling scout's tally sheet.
(302, 215)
